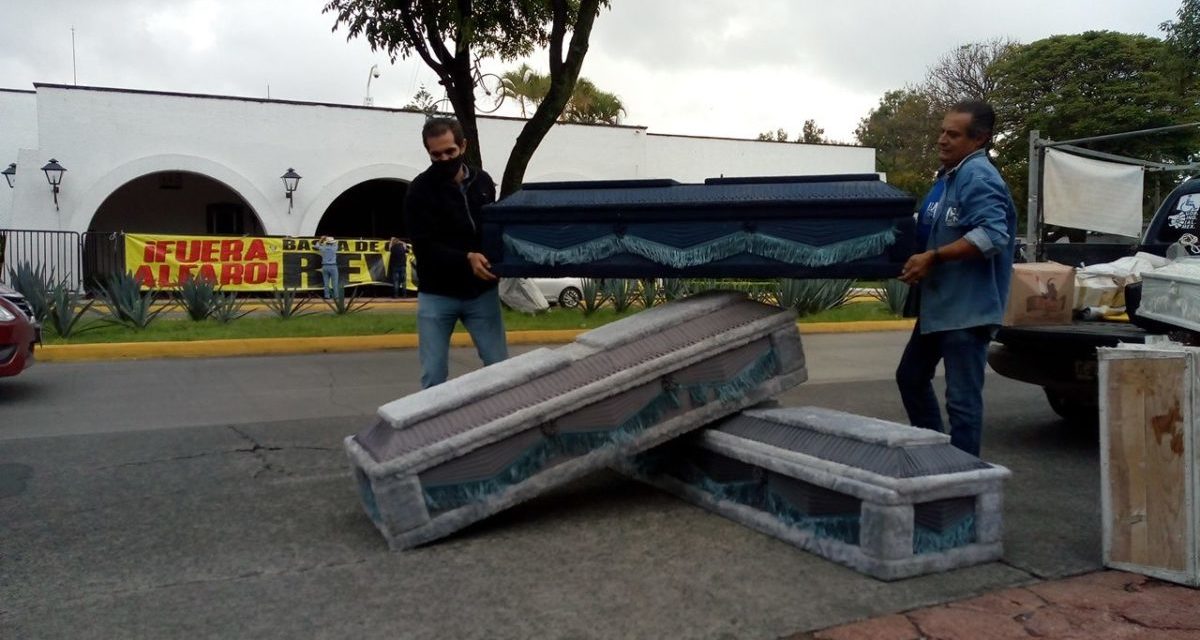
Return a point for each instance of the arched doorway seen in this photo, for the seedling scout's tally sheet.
(176, 202)
(167, 202)
(371, 209)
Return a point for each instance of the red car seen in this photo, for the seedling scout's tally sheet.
(18, 333)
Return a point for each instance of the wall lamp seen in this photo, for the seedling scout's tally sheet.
(291, 180)
(54, 174)
(10, 174)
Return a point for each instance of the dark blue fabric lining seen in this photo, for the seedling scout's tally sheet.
(707, 195)
(818, 232)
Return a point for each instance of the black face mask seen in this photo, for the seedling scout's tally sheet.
(446, 169)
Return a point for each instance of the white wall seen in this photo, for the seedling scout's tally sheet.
(692, 159)
(108, 137)
(18, 130)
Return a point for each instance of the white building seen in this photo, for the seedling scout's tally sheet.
(156, 162)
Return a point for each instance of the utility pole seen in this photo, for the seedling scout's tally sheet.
(74, 76)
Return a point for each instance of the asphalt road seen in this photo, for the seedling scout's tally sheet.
(211, 498)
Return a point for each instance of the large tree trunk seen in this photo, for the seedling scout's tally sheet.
(564, 72)
(461, 92)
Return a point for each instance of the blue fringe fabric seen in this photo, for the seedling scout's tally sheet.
(726, 392)
(574, 444)
(756, 494)
(742, 242)
(927, 540)
(842, 527)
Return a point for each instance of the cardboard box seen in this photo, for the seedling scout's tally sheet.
(1041, 293)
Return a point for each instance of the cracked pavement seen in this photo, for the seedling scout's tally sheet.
(211, 498)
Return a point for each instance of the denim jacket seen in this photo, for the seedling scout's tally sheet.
(975, 205)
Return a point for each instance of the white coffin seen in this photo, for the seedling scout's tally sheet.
(1172, 294)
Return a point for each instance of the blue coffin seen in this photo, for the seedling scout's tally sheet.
(842, 226)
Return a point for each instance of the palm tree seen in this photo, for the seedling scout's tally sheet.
(590, 105)
(526, 86)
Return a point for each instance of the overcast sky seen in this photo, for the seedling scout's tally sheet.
(696, 67)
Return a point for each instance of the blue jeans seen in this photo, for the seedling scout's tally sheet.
(329, 279)
(436, 317)
(399, 283)
(964, 352)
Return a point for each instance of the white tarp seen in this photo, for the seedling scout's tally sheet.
(1083, 193)
(522, 295)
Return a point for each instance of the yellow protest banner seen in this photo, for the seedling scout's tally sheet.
(250, 263)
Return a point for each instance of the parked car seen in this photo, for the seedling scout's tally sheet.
(18, 332)
(565, 292)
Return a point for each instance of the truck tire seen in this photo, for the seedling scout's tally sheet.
(1076, 408)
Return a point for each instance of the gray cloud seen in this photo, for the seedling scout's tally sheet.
(704, 67)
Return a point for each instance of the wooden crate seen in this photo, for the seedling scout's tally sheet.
(1148, 460)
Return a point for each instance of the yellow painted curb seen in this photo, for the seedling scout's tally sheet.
(221, 348)
(862, 326)
(343, 344)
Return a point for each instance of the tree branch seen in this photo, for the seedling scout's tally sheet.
(562, 82)
(558, 32)
(410, 25)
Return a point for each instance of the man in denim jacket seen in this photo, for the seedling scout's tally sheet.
(968, 224)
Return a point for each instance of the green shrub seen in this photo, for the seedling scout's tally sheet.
(227, 307)
(35, 284)
(127, 303)
(621, 292)
(674, 288)
(893, 293)
(594, 295)
(67, 308)
(812, 296)
(198, 297)
(648, 292)
(286, 304)
(341, 305)
(758, 290)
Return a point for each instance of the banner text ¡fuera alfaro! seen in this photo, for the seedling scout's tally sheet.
(249, 263)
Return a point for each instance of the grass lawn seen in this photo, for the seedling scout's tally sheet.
(380, 323)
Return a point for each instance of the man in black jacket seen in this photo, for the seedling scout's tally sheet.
(442, 213)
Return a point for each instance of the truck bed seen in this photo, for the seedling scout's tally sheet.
(1081, 335)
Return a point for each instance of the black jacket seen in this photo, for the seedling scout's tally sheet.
(444, 222)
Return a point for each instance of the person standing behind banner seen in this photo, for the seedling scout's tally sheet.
(968, 226)
(398, 267)
(443, 215)
(327, 247)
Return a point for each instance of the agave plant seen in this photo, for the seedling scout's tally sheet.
(35, 283)
(67, 309)
(341, 305)
(594, 295)
(648, 292)
(285, 304)
(894, 294)
(126, 302)
(621, 292)
(811, 296)
(227, 307)
(674, 288)
(198, 297)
